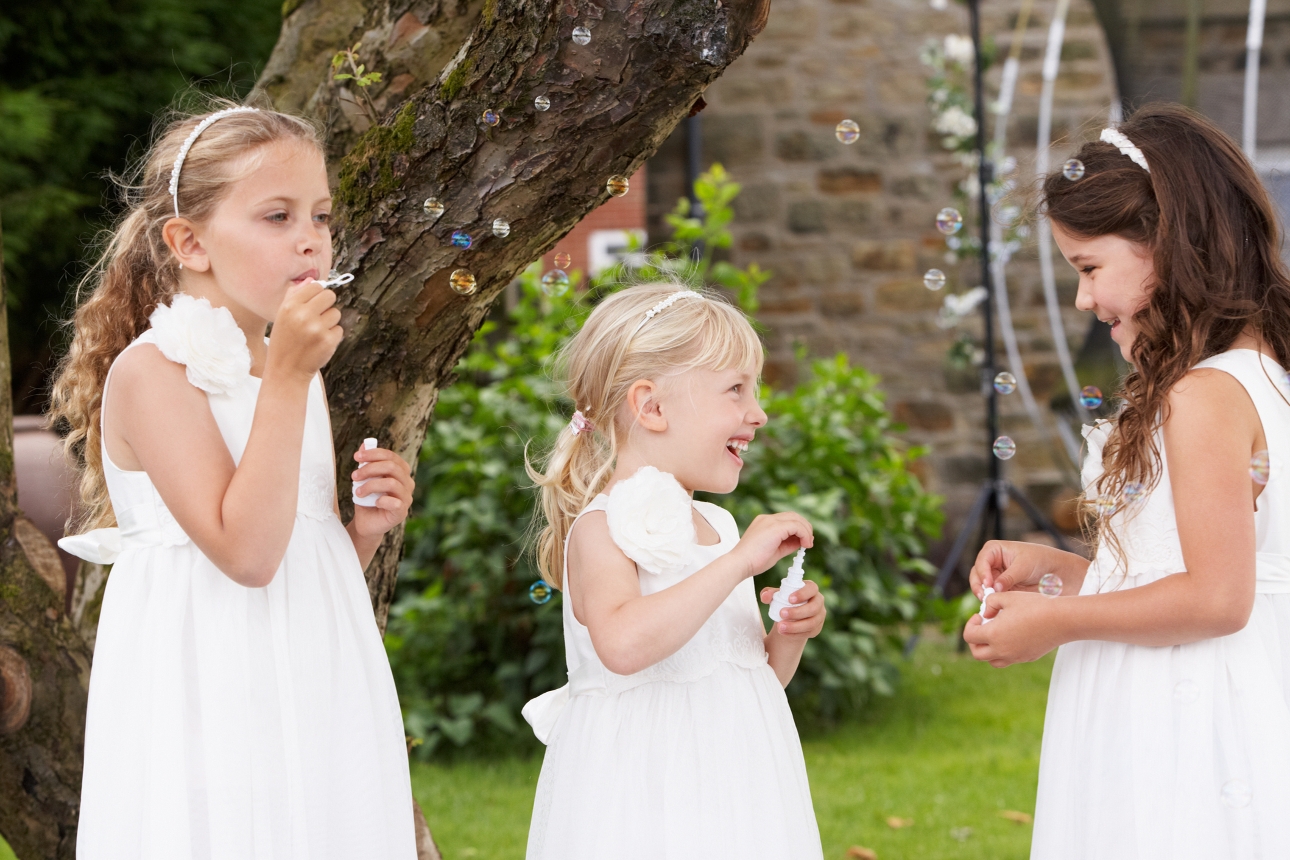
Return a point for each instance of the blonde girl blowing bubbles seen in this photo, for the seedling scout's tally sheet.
(240, 701)
(1168, 725)
(673, 737)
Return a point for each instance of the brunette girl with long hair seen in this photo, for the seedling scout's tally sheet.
(1168, 725)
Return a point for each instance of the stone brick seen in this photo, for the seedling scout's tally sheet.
(757, 203)
(733, 139)
(885, 255)
(965, 469)
(930, 415)
(849, 180)
(754, 242)
(793, 305)
(806, 216)
(906, 294)
(802, 145)
(842, 303)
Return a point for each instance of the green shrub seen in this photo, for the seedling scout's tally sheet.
(468, 645)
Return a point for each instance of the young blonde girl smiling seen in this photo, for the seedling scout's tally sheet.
(673, 737)
(240, 703)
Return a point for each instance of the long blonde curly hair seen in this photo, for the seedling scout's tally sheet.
(135, 271)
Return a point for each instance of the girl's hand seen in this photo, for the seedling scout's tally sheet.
(1007, 565)
(306, 330)
(805, 618)
(386, 473)
(770, 538)
(1023, 627)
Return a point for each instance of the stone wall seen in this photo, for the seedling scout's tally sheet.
(849, 230)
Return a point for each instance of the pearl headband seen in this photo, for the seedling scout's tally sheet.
(1117, 139)
(664, 305)
(188, 144)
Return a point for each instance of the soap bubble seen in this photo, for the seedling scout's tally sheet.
(461, 239)
(848, 131)
(1090, 397)
(555, 283)
(1186, 691)
(1005, 448)
(1235, 794)
(490, 117)
(1133, 491)
(581, 35)
(1005, 383)
(501, 228)
(432, 207)
(462, 281)
(542, 103)
(934, 279)
(563, 260)
(1073, 169)
(616, 185)
(1259, 467)
(540, 592)
(1050, 585)
(1008, 214)
(1105, 506)
(949, 221)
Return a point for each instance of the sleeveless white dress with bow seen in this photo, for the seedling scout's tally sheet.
(696, 756)
(225, 722)
(1181, 752)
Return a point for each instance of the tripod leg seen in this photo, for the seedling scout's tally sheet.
(960, 542)
(1037, 517)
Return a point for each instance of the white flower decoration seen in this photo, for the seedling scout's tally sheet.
(651, 520)
(206, 340)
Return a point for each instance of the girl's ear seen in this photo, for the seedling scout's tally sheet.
(181, 239)
(644, 403)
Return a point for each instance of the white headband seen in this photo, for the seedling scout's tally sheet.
(188, 144)
(664, 305)
(1117, 139)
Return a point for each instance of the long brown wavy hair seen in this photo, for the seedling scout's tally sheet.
(135, 271)
(1215, 242)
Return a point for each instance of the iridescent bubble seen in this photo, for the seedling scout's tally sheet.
(1235, 794)
(581, 35)
(1133, 491)
(617, 185)
(1260, 465)
(949, 221)
(1050, 585)
(432, 207)
(555, 282)
(1105, 506)
(563, 260)
(848, 131)
(542, 103)
(1005, 448)
(934, 279)
(1073, 169)
(1186, 691)
(490, 117)
(461, 239)
(501, 228)
(462, 281)
(540, 592)
(1090, 397)
(1005, 383)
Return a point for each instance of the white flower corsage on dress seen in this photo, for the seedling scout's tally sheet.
(651, 520)
(205, 339)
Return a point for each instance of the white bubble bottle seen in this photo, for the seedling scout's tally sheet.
(366, 501)
(787, 586)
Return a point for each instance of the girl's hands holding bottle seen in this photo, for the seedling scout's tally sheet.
(770, 538)
(389, 475)
(306, 330)
(805, 618)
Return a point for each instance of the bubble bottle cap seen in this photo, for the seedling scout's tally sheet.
(368, 501)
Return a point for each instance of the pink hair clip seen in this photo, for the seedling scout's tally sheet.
(580, 423)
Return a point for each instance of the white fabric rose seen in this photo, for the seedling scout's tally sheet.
(1095, 435)
(206, 340)
(651, 520)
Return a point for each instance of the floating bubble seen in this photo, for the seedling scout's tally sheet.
(432, 207)
(617, 185)
(1260, 465)
(1005, 383)
(1105, 506)
(1050, 585)
(490, 117)
(555, 282)
(1008, 214)
(542, 103)
(563, 260)
(934, 279)
(1005, 448)
(848, 131)
(501, 228)
(461, 239)
(1235, 794)
(1186, 691)
(540, 592)
(462, 281)
(581, 35)
(949, 221)
(1133, 491)
(1073, 169)
(1090, 397)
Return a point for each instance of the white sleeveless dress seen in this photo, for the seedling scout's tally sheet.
(228, 722)
(1181, 752)
(695, 757)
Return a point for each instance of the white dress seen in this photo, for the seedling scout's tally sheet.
(227, 722)
(695, 757)
(1180, 752)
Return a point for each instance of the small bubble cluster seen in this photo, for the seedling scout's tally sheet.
(934, 279)
(462, 282)
(563, 260)
(461, 239)
(1004, 448)
(1050, 585)
(1090, 397)
(542, 103)
(432, 207)
(949, 221)
(490, 117)
(848, 131)
(1260, 466)
(1073, 169)
(617, 185)
(1133, 491)
(501, 228)
(540, 592)
(581, 35)
(1104, 505)
(1005, 383)
(555, 282)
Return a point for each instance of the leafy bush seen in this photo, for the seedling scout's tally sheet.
(467, 643)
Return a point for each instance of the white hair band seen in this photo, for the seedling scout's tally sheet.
(664, 305)
(1116, 138)
(188, 144)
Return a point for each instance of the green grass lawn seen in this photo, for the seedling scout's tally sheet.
(958, 744)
